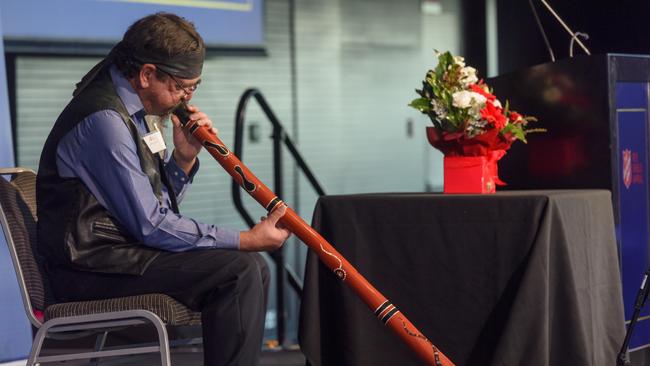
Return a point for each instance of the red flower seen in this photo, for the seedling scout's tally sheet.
(515, 117)
(480, 145)
(494, 116)
(482, 89)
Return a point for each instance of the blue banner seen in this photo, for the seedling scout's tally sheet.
(633, 230)
(15, 333)
(222, 23)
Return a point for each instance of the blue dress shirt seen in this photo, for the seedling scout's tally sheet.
(102, 154)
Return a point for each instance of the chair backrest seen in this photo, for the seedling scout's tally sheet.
(18, 220)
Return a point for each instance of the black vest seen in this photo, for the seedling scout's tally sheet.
(74, 230)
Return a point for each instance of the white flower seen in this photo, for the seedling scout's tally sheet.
(467, 99)
(475, 128)
(496, 103)
(468, 75)
(439, 109)
(459, 60)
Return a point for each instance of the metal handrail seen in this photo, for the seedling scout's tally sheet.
(279, 136)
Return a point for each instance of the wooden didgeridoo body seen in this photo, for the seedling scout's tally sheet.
(386, 312)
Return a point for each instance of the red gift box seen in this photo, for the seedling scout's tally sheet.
(472, 174)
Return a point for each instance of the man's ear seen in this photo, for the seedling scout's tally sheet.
(146, 75)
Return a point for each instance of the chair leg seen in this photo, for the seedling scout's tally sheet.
(165, 358)
(99, 345)
(163, 340)
(37, 344)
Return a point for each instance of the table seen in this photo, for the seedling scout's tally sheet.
(514, 278)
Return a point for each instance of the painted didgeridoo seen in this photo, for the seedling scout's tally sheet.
(386, 312)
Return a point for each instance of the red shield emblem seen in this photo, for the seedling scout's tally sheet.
(627, 168)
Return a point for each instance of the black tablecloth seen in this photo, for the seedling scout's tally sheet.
(515, 278)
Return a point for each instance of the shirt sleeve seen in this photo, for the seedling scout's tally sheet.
(102, 154)
(177, 177)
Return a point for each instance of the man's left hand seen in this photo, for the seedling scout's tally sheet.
(186, 147)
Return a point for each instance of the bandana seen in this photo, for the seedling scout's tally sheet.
(185, 66)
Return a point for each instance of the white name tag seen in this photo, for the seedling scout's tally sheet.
(155, 141)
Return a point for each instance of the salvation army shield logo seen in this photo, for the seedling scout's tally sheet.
(627, 168)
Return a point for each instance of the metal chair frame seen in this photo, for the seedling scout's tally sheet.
(76, 326)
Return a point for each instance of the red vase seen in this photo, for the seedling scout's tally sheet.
(470, 174)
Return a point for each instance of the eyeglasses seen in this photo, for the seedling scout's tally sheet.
(187, 89)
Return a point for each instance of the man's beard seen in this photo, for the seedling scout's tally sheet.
(166, 114)
(164, 118)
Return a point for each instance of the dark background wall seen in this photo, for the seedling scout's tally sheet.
(620, 26)
(613, 27)
(473, 39)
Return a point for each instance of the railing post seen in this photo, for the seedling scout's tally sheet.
(279, 255)
(279, 137)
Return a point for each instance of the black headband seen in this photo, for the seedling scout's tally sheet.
(185, 66)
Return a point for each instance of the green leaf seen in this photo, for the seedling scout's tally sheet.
(421, 104)
(446, 58)
(515, 130)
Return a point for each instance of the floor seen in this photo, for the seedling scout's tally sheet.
(193, 358)
(188, 355)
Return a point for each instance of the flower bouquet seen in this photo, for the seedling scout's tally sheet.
(470, 126)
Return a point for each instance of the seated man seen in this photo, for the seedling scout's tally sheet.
(107, 196)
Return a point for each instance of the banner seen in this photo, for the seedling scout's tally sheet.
(15, 333)
(222, 23)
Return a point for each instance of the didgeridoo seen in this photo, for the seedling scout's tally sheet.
(384, 310)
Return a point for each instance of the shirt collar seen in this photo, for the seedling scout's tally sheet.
(125, 91)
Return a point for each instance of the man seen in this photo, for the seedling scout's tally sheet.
(107, 194)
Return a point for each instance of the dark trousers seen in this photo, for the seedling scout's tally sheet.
(229, 288)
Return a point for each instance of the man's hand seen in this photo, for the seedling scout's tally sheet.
(266, 235)
(186, 147)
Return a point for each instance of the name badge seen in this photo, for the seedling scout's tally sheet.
(155, 141)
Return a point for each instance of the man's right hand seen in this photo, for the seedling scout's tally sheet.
(267, 235)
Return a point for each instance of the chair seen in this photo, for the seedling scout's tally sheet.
(76, 319)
